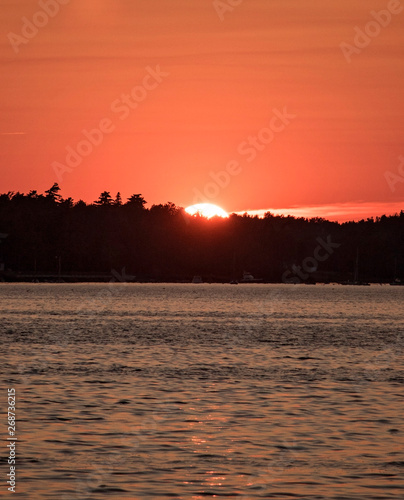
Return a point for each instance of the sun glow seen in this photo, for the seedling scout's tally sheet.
(206, 210)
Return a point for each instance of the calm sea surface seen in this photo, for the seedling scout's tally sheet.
(204, 391)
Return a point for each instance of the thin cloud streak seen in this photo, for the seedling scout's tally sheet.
(340, 212)
(13, 133)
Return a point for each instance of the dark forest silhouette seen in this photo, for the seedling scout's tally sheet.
(44, 234)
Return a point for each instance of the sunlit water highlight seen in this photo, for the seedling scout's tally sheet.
(205, 391)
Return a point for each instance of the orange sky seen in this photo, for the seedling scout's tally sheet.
(220, 81)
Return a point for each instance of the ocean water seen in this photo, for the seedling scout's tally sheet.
(156, 391)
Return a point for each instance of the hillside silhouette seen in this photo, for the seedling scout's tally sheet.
(45, 234)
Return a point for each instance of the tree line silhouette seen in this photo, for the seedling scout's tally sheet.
(45, 234)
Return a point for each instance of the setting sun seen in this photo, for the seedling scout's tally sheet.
(207, 210)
